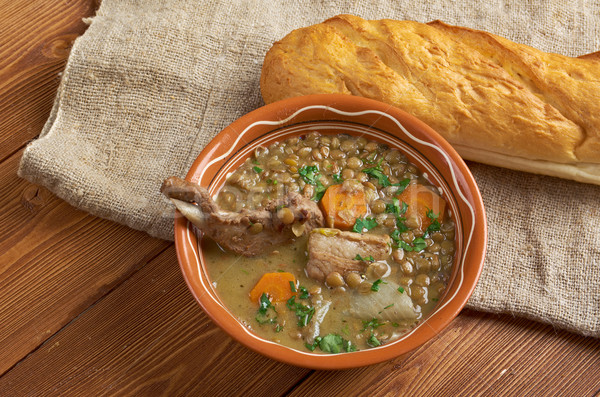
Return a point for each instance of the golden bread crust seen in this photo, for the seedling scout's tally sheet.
(478, 90)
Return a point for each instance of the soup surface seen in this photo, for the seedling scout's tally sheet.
(371, 273)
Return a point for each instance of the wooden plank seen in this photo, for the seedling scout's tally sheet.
(480, 354)
(55, 261)
(34, 45)
(148, 337)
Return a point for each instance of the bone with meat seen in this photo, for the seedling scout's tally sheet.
(332, 250)
(237, 231)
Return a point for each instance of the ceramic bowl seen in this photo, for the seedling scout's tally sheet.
(356, 116)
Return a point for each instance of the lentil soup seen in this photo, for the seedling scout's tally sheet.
(373, 271)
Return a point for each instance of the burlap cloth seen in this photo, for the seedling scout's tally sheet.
(151, 82)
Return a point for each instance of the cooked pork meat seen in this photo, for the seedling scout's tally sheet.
(249, 232)
(332, 250)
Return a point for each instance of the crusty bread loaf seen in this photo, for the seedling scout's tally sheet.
(495, 101)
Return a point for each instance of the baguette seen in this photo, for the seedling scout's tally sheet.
(496, 101)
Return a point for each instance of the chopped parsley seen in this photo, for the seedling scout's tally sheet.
(309, 174)
(395, 208)
(257, 169)
(377, 173)
(435, 223)
(383, 180)
(337, 178)
(373, 323)
(314, 345)
(264, 315)
(401, 226)
(303, 293)
(367, 259)
(319, 191)
(418, 244)
(373, 341)
(364, 223)
(272, 181)
(401, 290)
(395, 235)
(331, 343)
(292, 286)
(375, 286)
(304, 313)
(401, 185)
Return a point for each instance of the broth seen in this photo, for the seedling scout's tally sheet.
(395, 290)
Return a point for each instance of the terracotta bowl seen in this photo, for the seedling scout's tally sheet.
(358, 116)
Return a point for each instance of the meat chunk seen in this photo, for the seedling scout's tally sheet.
(249, 232)
(332, 250)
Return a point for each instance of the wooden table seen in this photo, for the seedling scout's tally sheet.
(89, 307)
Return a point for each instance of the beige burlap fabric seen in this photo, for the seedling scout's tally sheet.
(151, 82)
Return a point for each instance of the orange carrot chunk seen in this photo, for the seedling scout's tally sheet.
(276, 285)
(342, 207)
(421, 200)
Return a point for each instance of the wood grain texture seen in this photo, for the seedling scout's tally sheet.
(35, 40)
(89, 307)
(55, 261)
(479, 354)
(148, 337)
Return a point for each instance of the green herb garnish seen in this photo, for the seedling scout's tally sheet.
(377, 173)
(373, 323)
(373, 341)
(303, 293)
(292, 286)
(401, 185)
(337, 178)
(314, 345)
(364, 223)
(304, 313)
(401, 290)
(395, 207)
(435, 223)
(319, 191)
(375, 286)
(367, 259)
(257, 169)
(264, 308)
(331, 343)
(400, 226)
(309, 174)
(419, 244)
(388, 306)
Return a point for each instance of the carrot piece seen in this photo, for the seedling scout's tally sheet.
(275, 285)
(420, 200)
(343, 207)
